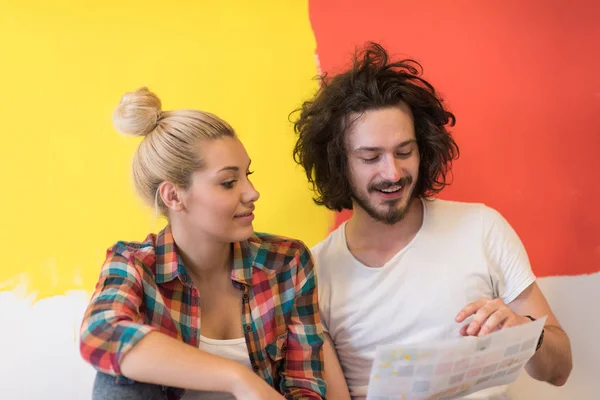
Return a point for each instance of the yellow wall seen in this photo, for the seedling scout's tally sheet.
(67, 193)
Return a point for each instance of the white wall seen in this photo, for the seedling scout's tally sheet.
(40, 355)
(575, 300)
(40, 358)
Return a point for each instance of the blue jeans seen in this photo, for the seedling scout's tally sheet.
(106, 388)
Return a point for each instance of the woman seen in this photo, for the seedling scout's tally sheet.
(206, 308)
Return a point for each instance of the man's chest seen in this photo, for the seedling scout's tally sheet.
(412, 303)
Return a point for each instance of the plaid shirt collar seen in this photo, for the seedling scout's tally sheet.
(169, 265)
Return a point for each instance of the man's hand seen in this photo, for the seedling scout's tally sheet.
(552, 363)
(488, 316)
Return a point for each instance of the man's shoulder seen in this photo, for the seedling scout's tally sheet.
(458, 212)
(328, 246)
(461, 209)
(467, 218)
(452, 206)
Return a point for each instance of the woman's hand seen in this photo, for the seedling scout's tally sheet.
(249, 386)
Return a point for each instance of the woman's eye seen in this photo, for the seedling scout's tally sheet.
(228, 184)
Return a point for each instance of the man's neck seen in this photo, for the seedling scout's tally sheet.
(363, 232)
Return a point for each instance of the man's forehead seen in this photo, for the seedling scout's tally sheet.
(374, 137)
(386, 118)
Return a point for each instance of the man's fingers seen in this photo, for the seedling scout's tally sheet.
(488, 316)
(482, 315)
(515, 320)
(497, 318)
(471, 309)
(463, 330)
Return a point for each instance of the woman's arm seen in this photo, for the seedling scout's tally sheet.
(337, 388)
(163, 360)
(115, 340)
(303, 373)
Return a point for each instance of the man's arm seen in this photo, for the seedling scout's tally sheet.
(552, 363)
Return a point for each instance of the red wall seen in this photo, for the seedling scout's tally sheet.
(523, 79)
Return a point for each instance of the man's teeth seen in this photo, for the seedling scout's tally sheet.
(391, 189)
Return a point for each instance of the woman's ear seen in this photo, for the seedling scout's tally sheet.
(171, 196)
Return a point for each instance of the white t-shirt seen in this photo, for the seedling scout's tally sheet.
(462, 252)
(232, 349)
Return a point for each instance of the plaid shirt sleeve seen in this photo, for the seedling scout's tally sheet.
(303, 373)
(112, 324)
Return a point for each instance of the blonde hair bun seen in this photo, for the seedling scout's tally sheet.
(138, 113)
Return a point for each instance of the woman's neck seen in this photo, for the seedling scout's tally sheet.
(203, 257)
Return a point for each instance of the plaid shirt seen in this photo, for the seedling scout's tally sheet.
(144, 287)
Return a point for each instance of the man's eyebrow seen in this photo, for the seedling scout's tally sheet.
(374, 149)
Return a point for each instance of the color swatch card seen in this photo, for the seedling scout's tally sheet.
(453, 368)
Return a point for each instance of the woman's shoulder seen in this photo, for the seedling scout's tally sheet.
(127, 254)
(281, 244)
(135, 248)
(276, 252)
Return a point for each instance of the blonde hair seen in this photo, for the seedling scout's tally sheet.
(169, 150)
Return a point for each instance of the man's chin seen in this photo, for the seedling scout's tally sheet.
(395, 214)
(396, 205)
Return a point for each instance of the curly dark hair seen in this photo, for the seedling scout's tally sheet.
(373, 82)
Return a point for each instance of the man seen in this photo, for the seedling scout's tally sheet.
(405, 267)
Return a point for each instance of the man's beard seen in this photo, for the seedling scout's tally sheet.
(393, 214)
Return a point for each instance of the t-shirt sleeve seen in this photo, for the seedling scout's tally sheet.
(323, 287)
(510, 269)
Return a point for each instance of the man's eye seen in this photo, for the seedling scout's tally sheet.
(403, 155)
(370, 160)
